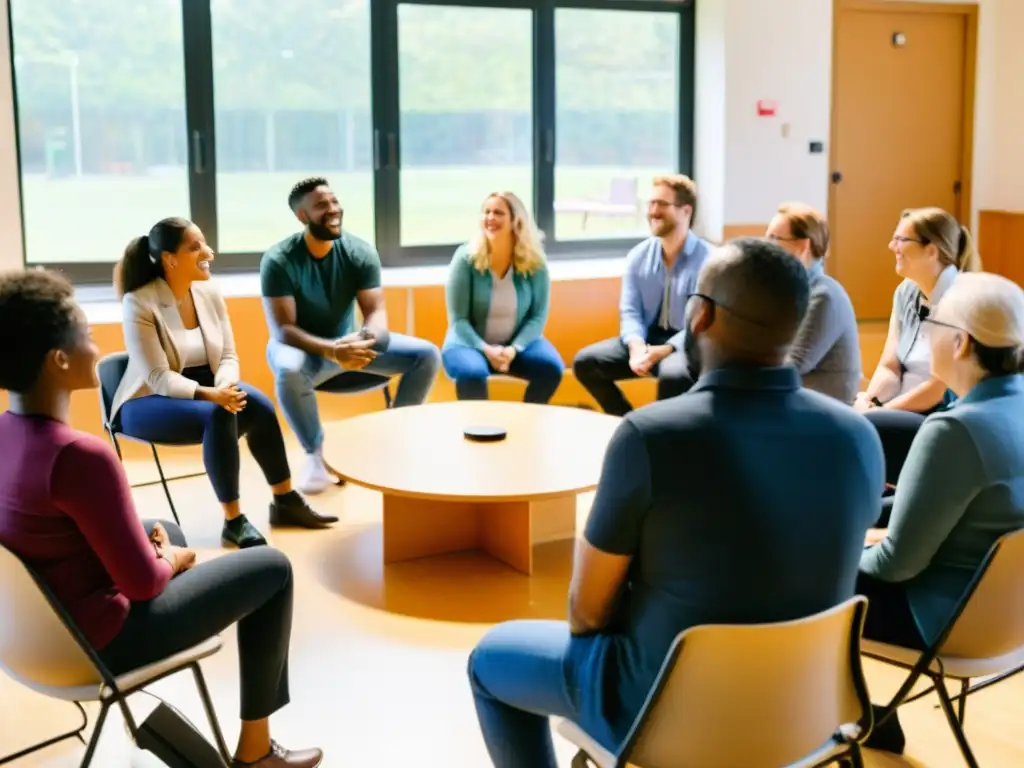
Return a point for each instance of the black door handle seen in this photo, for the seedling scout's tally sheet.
(836, 177)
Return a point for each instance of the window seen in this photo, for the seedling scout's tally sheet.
(466, 122)
(291, 100)
(616, 80)
(101, 124)
(414, 110)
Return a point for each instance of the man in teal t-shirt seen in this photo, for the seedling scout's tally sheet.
(311, 282)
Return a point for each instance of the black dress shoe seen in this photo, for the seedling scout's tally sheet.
(240, 533)
(291, 510)
(887, 737)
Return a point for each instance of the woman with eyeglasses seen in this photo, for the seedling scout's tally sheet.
(962, 486)
(931, 249)
(826, 351)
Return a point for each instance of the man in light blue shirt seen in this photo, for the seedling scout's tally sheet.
(661, 273)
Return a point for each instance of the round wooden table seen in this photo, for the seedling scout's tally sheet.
(444, 493)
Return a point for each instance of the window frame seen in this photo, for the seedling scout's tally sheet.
(201, 126)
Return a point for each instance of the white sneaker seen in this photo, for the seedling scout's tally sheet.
(313, 478)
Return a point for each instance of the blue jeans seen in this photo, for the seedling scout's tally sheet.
(171, 421)
(522, 673)
(297, 374)
(539, 364)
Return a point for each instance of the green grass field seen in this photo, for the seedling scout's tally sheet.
(93, 218)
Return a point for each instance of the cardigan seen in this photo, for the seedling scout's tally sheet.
(468, 298)
(961, 488)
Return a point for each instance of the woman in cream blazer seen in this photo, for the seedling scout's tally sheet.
(182, 384)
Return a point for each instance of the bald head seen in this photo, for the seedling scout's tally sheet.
(759, 296)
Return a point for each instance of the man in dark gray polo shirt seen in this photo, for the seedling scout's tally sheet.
(744, 501)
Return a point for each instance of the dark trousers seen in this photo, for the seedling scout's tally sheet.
(538, 363)
(250, 587)
(599, 366)
(889, 618)
(170, 421)
(897, 430)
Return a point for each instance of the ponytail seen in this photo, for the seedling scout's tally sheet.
(967, 257)
(143, 260)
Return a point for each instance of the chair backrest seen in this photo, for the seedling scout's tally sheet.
(759, 696)
(992, 621)
(110, 370)
(36, 647)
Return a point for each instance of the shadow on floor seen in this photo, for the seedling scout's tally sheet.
(460, 587)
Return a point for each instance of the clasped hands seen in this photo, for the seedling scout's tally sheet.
(643, 358)
(354, 351)
(180, 558)
(500, 358)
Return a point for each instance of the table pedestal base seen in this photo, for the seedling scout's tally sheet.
(506, 530)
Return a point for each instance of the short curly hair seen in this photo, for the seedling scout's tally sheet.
(37, 311)
(303, 188)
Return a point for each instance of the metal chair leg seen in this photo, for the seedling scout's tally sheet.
(163, 482)
(211, 714)
(387, 396)
(117, 445)
(75, 734)
(90, 750)
(954, 723)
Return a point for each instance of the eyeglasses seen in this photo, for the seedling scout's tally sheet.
(902, 239)
(781, 239)
(715, 303)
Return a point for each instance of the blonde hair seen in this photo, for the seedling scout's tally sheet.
(684, 189)
(807, 223)
(954, 243)
(527, 241)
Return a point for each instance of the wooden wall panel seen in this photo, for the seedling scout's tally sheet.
(1000, 238)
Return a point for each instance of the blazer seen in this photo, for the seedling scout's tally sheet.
(154, 337)
(468, 296)
(961, 488)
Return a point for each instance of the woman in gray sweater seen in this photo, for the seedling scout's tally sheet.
(826, 351)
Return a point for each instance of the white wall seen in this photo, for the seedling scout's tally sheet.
(781, 50)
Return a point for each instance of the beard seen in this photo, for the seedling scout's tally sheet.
(322, 232)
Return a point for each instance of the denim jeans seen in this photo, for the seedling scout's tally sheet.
(539, 364)
(297, 374)
(524, 672)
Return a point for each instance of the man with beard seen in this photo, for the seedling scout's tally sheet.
(311, 282)
(660, 274)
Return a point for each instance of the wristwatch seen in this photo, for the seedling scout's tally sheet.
(876, 402)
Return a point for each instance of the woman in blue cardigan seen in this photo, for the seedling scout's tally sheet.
(497, 296)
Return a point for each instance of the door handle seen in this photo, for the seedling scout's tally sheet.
(836, 177)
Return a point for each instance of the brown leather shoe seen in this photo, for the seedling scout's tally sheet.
(280, 757)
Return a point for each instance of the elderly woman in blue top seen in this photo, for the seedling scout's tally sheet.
(497, 296)
(931, 249)
(963, 483)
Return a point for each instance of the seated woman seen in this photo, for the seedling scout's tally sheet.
(497, 297)
(931, 248)
(132, 588)
(826, 351)
(963, 483)
(182, 382)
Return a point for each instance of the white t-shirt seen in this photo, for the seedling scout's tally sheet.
(194, 353)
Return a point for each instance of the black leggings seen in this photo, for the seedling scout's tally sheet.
(252, 587)
(889, 618)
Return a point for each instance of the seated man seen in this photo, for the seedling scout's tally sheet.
(660, 274)
(310, 282)
(709, 510)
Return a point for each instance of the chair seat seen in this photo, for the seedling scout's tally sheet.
(130, 680)
(952, 666)
(354, 382)
(602, 758)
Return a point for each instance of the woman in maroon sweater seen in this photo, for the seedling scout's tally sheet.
(133, 588)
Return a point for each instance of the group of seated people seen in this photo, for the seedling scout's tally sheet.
(741, 496)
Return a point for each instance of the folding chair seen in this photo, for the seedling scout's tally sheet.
(43, 649)
(111, 370)
(758, 696)
(984, 638)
